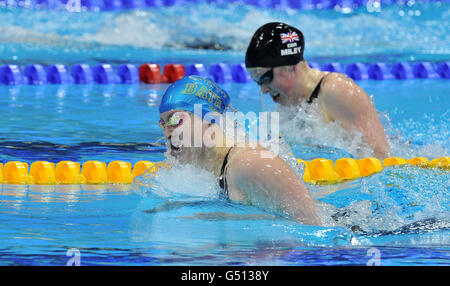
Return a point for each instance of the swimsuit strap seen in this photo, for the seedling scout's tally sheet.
(222, 179)
(316, 91)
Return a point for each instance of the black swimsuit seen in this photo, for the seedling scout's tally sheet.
(316, 91)
(222, 178)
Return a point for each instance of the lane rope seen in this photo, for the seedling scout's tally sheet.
(152, 73)
(317, 171)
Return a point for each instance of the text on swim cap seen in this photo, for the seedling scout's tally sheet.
(204, 93)
(291, 51)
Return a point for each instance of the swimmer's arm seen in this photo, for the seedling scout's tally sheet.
(346, 102)
(270, 183)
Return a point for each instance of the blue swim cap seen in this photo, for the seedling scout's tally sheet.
(190, 90)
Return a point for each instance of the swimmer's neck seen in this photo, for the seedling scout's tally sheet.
(212, 159)
(306, 82)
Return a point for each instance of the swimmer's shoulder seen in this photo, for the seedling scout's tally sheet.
(249, 169)
(248, 162)
(333, 80)
(238, 171)
(244, 154)
(337, 87)
(340, 94)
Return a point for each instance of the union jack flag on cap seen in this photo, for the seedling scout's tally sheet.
(289, 37)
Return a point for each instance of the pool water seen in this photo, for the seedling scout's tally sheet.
(186, 34)
(179, 219)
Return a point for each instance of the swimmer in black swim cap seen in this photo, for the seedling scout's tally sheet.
(275, 45)
(275, 61)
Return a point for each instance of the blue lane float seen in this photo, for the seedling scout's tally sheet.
(58, 74)
(357, 71)
(128, 74)
(221, 73)
(104, 74)
(82, 74)
(333, 67)
(314, 65)
(424, 70)
(379, 71)
(402, 70)
(133, 4)
(36, 74)
(239, 73)
(443, 69)
(95, 5)
(197, 69)
(11, 75)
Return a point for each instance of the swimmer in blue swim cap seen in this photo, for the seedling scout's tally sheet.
(274, 59)
(191, 111)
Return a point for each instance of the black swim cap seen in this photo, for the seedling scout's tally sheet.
(275, 44)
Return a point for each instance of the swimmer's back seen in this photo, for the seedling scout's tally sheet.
(266, 181)
(341, 99)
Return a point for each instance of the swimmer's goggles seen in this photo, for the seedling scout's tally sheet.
(174, 121)
(266, 78)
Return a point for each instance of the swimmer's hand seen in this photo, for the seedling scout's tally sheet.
(270, 183)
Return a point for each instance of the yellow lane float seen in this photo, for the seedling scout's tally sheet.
(443, 162)
(368, 166)
(317, 171)
(68, 172)
(393, 161)
(347, 168)
(418, 161)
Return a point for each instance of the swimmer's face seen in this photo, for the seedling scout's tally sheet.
(278, 82)
(171, 122)
(179, 131)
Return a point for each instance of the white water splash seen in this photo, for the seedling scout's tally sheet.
(427, 136)
(181, 180)
(398, 200)
(306, 126)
